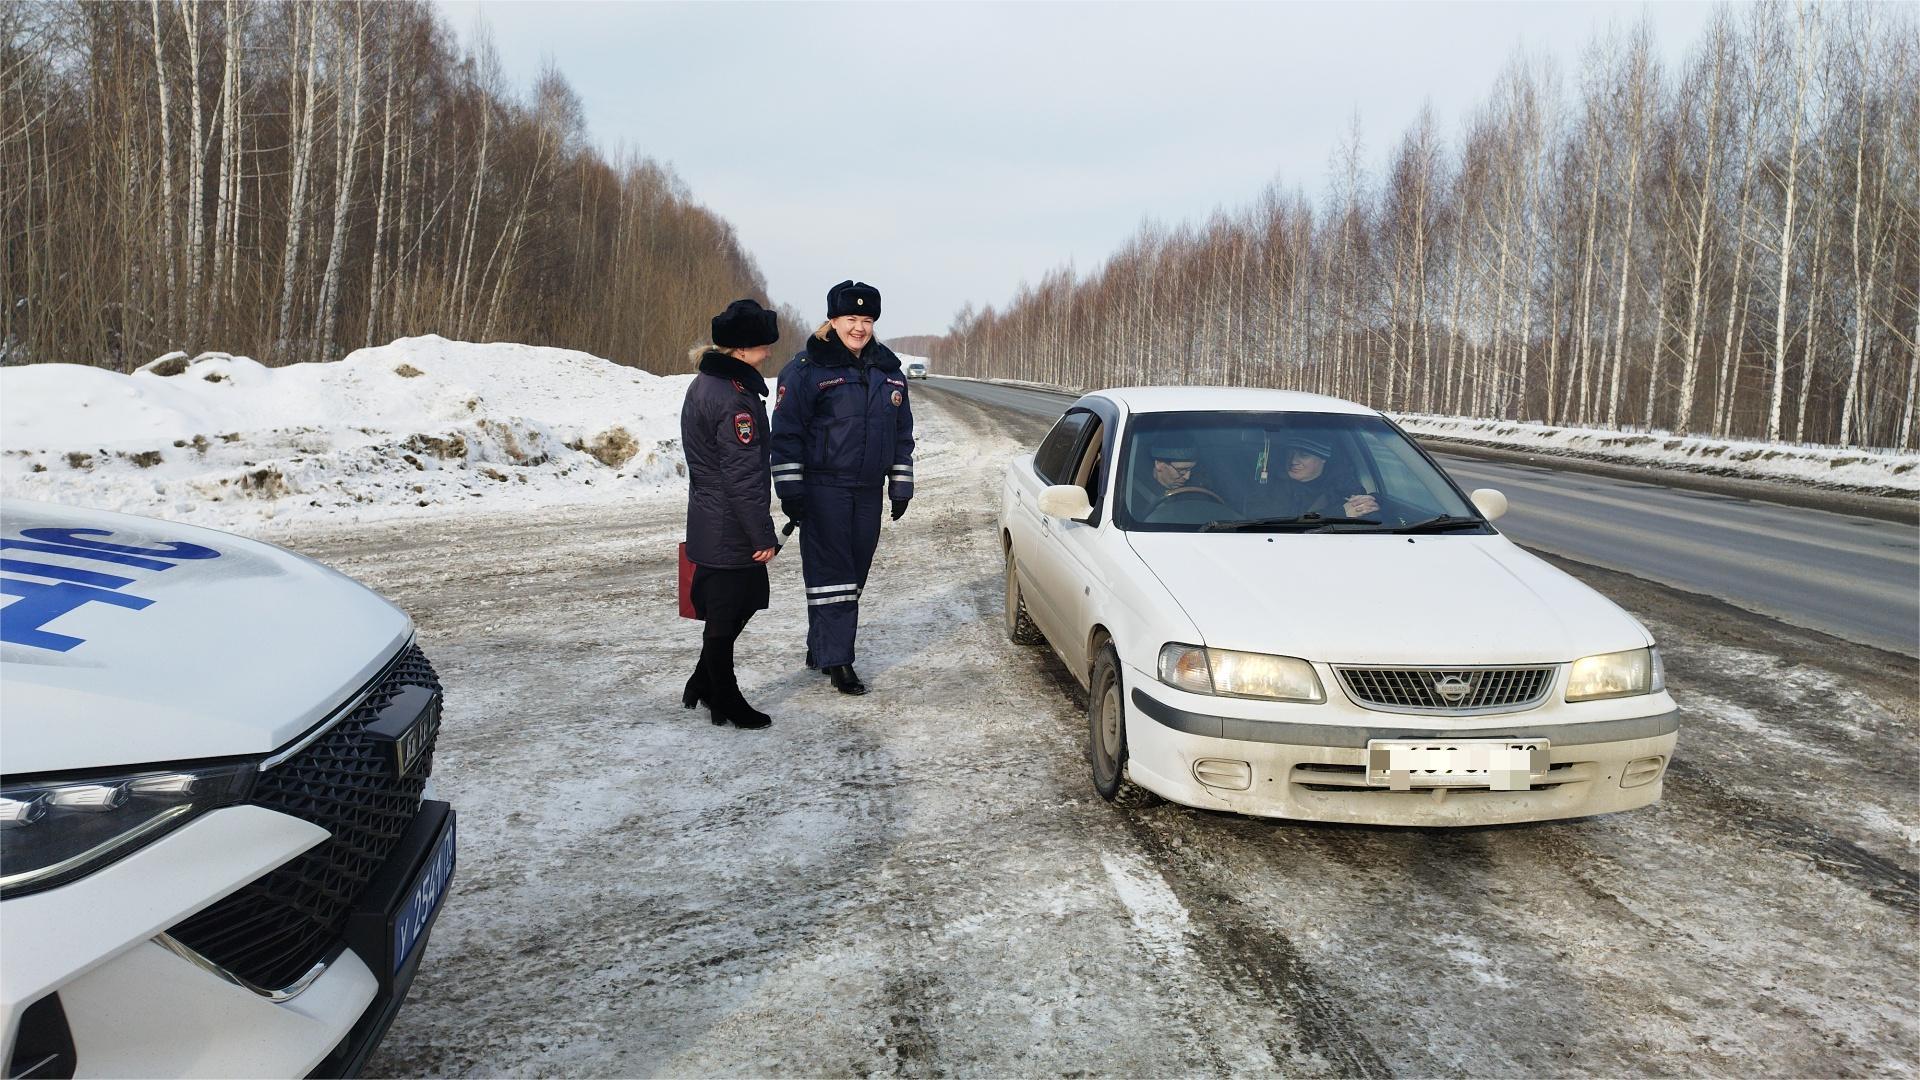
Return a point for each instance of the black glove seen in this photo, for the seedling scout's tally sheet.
(899, 508)
(795, 509)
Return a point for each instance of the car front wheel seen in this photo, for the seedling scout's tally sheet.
(1020, 627)
(1107, 734)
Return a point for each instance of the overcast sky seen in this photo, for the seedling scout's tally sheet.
(945, 152)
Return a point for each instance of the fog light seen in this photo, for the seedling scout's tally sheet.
(1642, 771)
(1221, 773)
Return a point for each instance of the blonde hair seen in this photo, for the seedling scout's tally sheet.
(694, 354)
(822, 332)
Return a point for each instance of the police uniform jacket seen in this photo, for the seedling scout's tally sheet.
(843, 420)
(723, 427)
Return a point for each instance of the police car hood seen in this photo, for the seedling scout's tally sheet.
(1384, 599)
(128, 641)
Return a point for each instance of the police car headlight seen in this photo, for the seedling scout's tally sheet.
(52, 833)
(1225, 673)
(1612, 675)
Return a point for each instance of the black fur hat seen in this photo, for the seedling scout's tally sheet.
(853, 298)
(744, 325)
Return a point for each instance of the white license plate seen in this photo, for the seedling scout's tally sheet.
(1499, 764)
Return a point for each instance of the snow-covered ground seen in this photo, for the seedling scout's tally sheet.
(225, 441)
(1827, 466)
(921, 881)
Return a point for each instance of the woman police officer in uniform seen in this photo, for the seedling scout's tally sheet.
(842, 428)
(723, 428)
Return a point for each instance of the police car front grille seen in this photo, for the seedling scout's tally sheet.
(274, 930)
(1455, 691)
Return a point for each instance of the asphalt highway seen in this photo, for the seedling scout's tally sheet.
(1854, 577)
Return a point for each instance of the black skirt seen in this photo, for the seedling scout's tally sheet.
(729, 594)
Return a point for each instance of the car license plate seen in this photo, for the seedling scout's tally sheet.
(423, 899)
(1499, 764)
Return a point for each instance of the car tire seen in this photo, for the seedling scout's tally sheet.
(1020, 627)
(1107, 734)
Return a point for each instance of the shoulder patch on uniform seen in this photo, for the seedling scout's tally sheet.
(898, 383)
(737, 387)
(831, 382)
(743, 427)
(898, 397)
(781, 396)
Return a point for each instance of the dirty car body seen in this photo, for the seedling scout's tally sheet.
(1405, 664)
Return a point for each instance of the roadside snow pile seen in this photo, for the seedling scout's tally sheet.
(1875, 470)
(424, 422)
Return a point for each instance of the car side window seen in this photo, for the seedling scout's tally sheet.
(1053, 460)
(1086, 471)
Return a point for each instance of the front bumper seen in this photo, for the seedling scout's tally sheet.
(136, 1004)
(1318, 772)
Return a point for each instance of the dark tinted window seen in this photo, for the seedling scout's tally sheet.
(1051, 461)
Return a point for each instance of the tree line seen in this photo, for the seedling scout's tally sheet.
(296, 180)
(1732, 248)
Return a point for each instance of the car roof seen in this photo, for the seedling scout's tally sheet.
(1145, 399)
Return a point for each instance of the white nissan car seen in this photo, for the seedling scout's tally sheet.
(1281, 606)
(219, 851)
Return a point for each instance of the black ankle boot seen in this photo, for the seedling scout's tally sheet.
(696, 691)
(728, 706)
(846, 680)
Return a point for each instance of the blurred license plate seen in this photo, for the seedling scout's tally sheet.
(1499, 764)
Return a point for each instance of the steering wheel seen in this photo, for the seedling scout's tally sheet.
(1183, 492)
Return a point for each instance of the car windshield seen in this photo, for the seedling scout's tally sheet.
(1282, 472)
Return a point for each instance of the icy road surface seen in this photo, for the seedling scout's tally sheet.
(922, 882)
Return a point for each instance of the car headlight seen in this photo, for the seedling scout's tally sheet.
(55, 832)
(1224, 673)
(1619, 674)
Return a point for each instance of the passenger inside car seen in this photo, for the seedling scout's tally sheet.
(1311, 480)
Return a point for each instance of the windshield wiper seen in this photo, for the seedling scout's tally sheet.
(1304, 522)
(1438, 524)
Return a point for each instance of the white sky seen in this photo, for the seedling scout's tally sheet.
(945, 152)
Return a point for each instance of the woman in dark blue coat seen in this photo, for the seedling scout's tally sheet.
(842, 441)
(723, 428)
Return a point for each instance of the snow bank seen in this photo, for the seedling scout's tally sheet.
(225, 441)
(1875, 470)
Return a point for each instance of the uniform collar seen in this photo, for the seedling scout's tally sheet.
(830, 351)
(739, 372)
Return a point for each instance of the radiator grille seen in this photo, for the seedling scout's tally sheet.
(275, 929)
(1453, 691)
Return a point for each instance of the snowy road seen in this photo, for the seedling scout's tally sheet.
(922, 882)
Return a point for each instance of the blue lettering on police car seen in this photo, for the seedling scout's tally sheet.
(37, 603)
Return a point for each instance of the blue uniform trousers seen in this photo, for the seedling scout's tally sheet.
(836, 550)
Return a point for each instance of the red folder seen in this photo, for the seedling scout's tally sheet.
(686, 585)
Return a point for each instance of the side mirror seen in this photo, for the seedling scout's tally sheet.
(1066, 501)
(1489, 502)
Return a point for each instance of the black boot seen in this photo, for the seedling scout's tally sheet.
(723, 689)
(845, 680)
(696, 691)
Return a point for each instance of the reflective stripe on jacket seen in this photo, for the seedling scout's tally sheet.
(842, 420)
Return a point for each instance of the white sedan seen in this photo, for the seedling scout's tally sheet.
(1281, 606)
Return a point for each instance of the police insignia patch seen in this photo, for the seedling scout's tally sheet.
(781, 396)
(896, 397)
(743, 427)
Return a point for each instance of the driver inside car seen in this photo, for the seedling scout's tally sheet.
(1175, 479)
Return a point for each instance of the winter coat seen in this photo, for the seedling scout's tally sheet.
(1325, 495)
(723, 428)
(842, 420)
